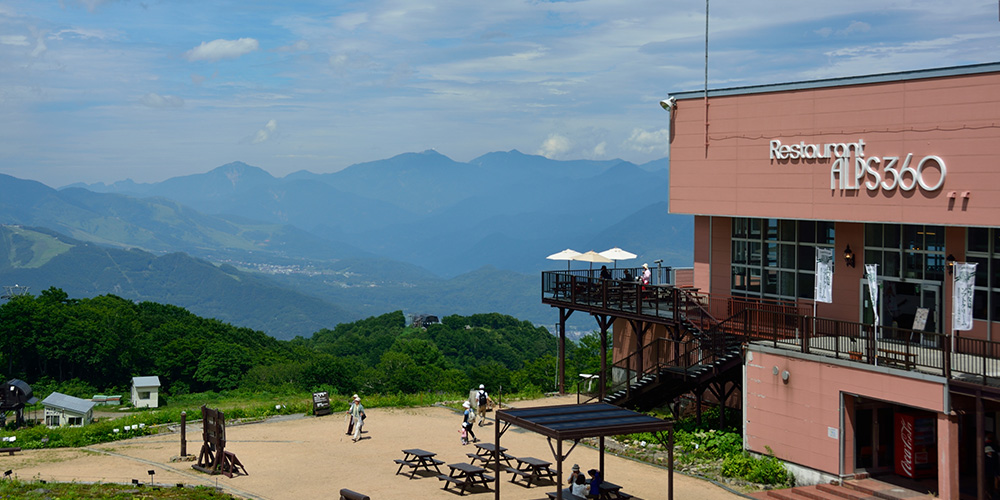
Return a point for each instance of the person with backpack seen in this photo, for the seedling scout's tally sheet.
(467, 418)
(482, 402)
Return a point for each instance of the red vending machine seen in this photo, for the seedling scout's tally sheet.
(916, 446)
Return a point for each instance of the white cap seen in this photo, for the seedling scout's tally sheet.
(466, 405)
(481, 386)
(645, 266)
(355, 396)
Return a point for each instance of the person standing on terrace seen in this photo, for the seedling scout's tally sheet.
(605, 273)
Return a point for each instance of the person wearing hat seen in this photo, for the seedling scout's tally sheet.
(467, 418)
(350, 418)
(647, 275)
(358, 416)
(482, 402)
(577, 483)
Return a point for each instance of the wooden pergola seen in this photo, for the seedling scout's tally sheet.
(575, 422)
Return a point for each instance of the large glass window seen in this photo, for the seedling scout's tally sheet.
(906, 251)
(983, 248)
(777, 258)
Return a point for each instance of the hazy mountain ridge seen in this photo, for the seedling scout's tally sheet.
(411, 213)
(39, 259)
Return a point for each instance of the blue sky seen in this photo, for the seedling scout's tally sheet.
(103, 90)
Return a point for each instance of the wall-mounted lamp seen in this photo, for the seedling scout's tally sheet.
(950, 263)
(669, 103)
(849, 256)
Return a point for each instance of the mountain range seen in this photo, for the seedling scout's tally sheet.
(417, 232)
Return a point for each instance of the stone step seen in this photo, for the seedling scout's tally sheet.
(844, 492)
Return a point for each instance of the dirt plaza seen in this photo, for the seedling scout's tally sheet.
(312, 457)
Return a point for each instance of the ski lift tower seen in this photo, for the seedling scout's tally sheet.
(10, 292)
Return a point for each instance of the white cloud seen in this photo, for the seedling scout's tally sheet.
(649, 141)
(298, 46)
(155, 100)
(857, 27)
(350, 22)
(222, 49)
(84, 34)
(555, 146)
(20, 40)
(266, 132)
(601, 149)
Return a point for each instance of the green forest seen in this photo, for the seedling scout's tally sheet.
(96, 345)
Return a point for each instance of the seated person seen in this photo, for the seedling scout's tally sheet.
(579, 486)
(628, 276)
(576, 478)
(595, 483)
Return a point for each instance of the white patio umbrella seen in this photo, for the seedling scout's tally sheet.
(566, 255)
(617, 254)
(592, 257)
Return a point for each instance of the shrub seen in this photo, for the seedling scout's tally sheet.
(764, 470)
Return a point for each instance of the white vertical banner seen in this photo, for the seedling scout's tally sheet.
(871, 271)
(962, 293)
(824, 275)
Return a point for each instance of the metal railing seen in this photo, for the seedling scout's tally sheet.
(780, 324)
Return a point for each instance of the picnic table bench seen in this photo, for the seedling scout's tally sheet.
(609, 491)
(900, 358)
(531, 470)
(488, 452)
(416, 458)
(10, 451)
(465, 476)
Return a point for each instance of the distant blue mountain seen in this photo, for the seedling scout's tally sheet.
(399, 222)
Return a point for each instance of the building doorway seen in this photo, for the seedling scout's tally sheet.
(894, 441)
(906, 308)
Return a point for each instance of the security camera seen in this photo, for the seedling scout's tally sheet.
(669, 103)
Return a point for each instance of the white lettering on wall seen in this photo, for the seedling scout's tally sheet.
(906, 435)
(874, 173)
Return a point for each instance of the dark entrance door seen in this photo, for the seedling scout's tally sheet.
(873, 438)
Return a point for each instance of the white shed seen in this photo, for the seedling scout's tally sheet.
(62, 410)
(146, 392)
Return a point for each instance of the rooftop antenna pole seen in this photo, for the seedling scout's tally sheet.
(706, 77)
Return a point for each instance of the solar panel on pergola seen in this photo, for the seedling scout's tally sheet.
(576, 422)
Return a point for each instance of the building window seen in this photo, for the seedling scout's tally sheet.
(52, 420)
(908, 251)
(983, 248)
(75, 420)
(776, 258)
(143, 394)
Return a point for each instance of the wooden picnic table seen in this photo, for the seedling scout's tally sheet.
(416, 458)
(609, 491)
(532, 470)
(465, 476)
(487, 453)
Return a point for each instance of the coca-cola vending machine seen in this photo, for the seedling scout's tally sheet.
(916, 446)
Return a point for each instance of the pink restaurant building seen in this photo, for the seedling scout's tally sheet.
(900, 170)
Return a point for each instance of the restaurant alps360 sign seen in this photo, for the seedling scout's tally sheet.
(851, 168)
